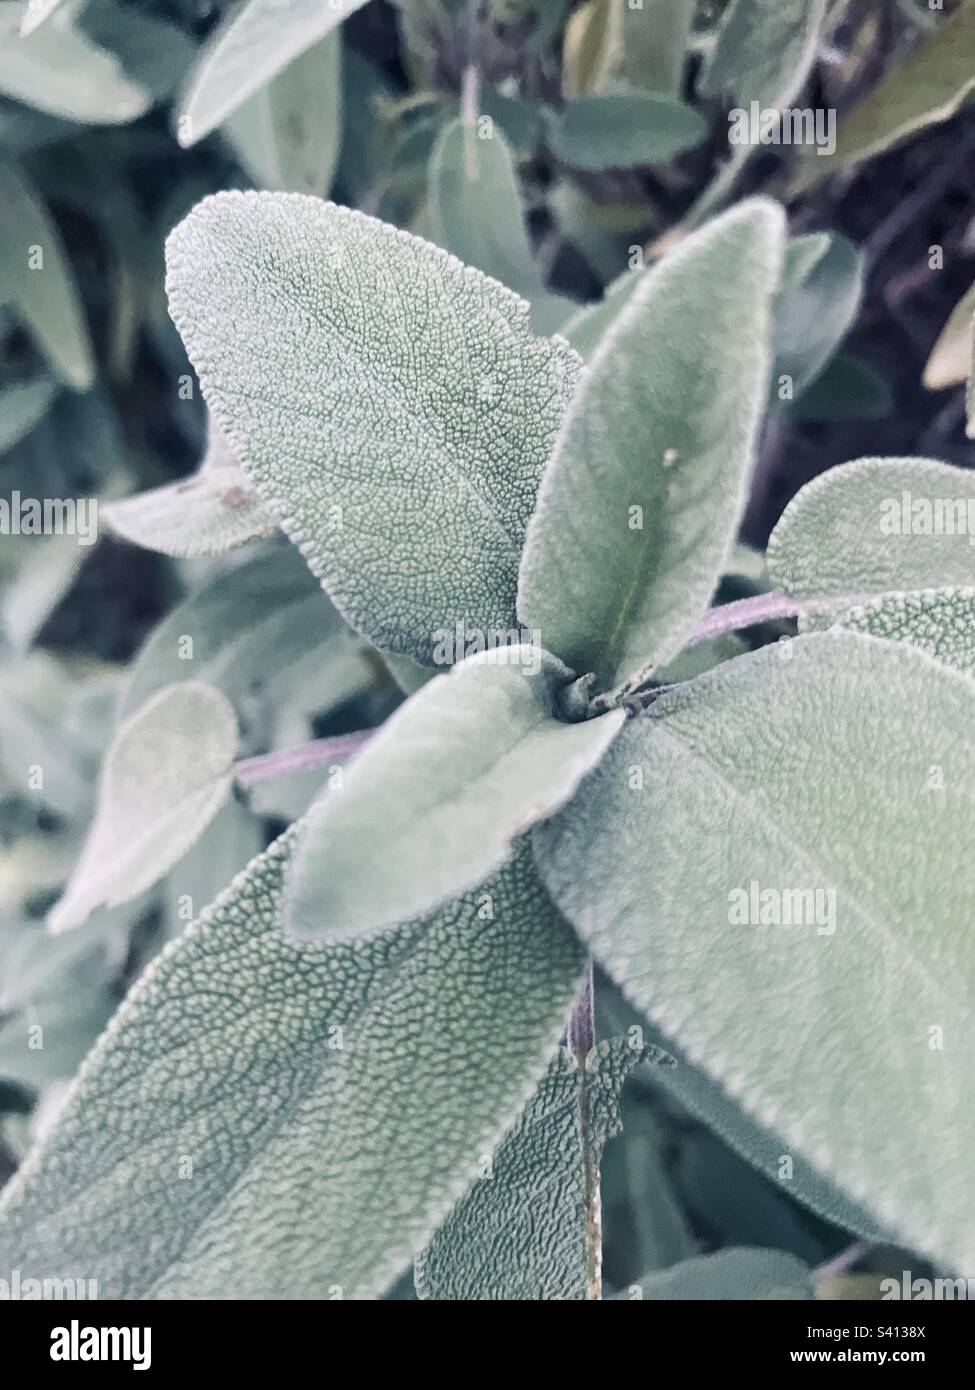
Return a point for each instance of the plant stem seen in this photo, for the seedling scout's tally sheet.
(319, 753)
(840, 1263)
(764, 608)
(470, 95)
(580, 1038)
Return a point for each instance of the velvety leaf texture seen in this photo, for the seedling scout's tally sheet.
(520, 1231)
(736, 1274)
(213, 510)
(152, 806)
(639, 506)
(939, 621)
(876, 525)
(433, 803)
(390, 404)
(798, 918)
(332, 1103)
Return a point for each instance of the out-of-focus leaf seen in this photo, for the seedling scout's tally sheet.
(58, 69)
(591, 46)
(475, 211)
(764, 51)
(258, 40)
(288, 134)
(734, 1274)
(224, 849)
(22, 404)
(36, 279)
(241, 631)
(152, 807)
(619, 129)
(847, 389)
(655, 39)
(43, 579)
(814, 312)
(282, 1074)
(951, 357)
(41, 758)
(215, 509)
(35, 13)
(929, 87)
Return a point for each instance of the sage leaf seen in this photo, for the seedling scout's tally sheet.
(803, 770)
(152, 807)
(872, 526)
(735, 1274)
(354, 368)
(214, 510)
(591, 45)
(816, 308)
(622, 555)
(939, 621)
(950, 362)
(620, 129)
(656, 36)
(521, 1231)
(432, 804)
(257, 41)
(287, 1077)
(35, 13)
(476, 212)
(928, 88)
(764, 51)
(22, 405)
(36, 279)
(289, 133)
(225, 632)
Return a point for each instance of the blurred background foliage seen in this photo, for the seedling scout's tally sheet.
(554, 144)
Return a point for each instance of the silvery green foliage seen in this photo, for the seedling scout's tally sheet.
(152, 807)
(257, 42)
(463, 769)
(649, 435)
(732, 1274)
(619, 129)
(521, 1230)
(873, 526)
(287, 1086)
(326, 390)
(213, 510)
(36, 280)
(764, 51)
(939, 621)
(801, 766)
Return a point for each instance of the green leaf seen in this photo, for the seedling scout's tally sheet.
(288, 1078)
(36, 279)
(847, 389)
(520, 1232)
(22, 405)
(655, 40)
(476, 212)
(239, 632)
(939, 621)
(733, 1274)
(659, 434)
(213, 510)
(433, 803)
(951, 357)
(929, 87)
(354, 368)
(591, 45)
(224, 850)
(35, 13)
(875, 525)
(620, 129)
(840, 769)
(815, 310)
(59, 70)
(40, 754)
(151, 808)
(764, 51)
(46, 575)
(586, 328)
(255, 43)
(289, 133)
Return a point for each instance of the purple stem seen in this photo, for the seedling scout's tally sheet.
(763, 608)
(318, 753)
(845, 1260)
